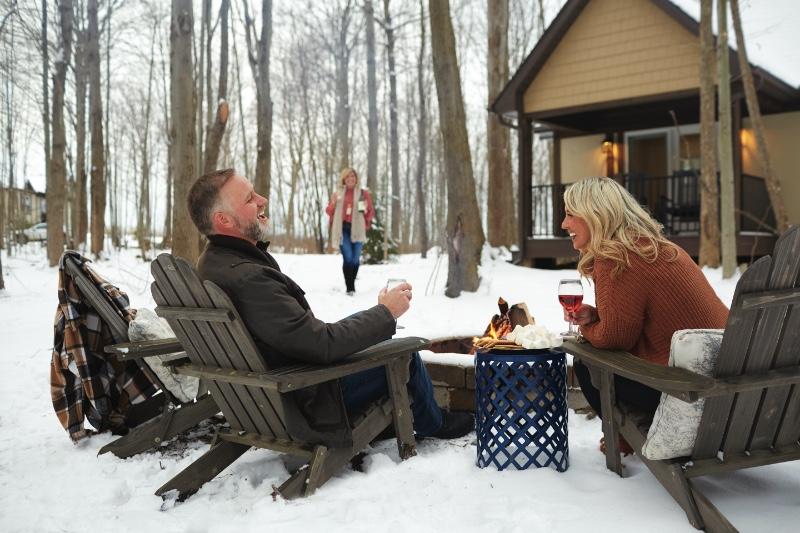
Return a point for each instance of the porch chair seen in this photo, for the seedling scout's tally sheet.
(751, 415)
(254, 398)
(160, 417)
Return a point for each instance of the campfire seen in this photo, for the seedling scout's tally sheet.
(501, 325)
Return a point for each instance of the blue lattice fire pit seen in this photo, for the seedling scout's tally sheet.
(521, 399)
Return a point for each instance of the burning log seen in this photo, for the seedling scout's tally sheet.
(502, 324)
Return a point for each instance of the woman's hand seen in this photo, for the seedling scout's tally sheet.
(335, 197)
(583, 316)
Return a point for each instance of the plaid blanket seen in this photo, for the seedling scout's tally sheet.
(85, 382)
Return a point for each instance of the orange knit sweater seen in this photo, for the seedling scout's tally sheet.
(644, 305)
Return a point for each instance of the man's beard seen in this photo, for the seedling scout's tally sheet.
(253, 231)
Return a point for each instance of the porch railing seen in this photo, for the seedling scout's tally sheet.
(672, 200)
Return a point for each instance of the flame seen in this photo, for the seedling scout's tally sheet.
(492, 331)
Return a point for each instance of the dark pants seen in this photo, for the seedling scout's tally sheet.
(641, 397)
(365, 387)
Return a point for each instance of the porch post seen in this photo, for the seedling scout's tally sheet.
(557, 200)
(525, 137)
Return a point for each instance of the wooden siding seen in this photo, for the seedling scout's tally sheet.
(783, 132)
(616, 49)
(582, 157)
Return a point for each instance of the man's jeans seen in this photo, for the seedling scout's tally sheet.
(351, 251)
(361, 389)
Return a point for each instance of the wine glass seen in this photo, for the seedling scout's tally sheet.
(391, 283)
(570, 296)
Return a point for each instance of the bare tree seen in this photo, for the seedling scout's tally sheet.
(45, 90)
(258, 54)
(502, 224)
(56, 180)
(772, 181)
(422, 137)
(143, 213)
(217, 129)
(98, 182)
(709, 192)
(80, 214)
(724, 144)
(182, 124)
(465, 236)
(372, 96)
(394, 148)
(166, 240)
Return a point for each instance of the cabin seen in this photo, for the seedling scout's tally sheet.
(24, 206)
(614, 85)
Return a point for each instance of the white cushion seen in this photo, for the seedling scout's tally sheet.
(149, 326)
(674, 428)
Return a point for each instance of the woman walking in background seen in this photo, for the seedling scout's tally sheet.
(646, 288)
(350, 211)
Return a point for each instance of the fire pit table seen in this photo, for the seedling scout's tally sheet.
(521, 400)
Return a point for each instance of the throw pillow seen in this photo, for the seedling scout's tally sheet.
(674, 428)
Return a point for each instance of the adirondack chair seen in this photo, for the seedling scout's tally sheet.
(161, 417)
(252, 396)
(752, 408)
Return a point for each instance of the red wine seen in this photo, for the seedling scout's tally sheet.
(571, 302)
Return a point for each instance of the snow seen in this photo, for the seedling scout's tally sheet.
(49, 484)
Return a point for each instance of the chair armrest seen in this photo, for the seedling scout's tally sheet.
(137, 349)
(677, 382)
(287, 379)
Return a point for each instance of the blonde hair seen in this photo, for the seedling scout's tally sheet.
(344, 173)
(617, 224)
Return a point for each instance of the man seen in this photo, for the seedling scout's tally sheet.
(226, 209)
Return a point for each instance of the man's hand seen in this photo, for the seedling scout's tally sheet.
(397, 300)
(583, 316)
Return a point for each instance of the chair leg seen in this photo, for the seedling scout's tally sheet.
(610, 423)
(322, 466)
(204, 469)
(397, 377)
(163, 427)
(713, 519)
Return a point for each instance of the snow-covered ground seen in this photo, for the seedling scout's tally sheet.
(49, 484)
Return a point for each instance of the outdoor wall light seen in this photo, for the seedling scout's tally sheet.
(608, 145)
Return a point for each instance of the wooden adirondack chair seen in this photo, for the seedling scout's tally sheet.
(752, 410)
(161, 417)
(251, 395)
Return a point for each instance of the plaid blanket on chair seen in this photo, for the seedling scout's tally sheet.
(85, 382)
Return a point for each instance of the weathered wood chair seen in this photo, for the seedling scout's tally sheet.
(161, 417)
(252, 396)
(752, 409)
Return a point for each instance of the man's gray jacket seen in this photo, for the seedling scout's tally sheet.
(275, 311)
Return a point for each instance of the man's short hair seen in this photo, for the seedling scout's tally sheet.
(203, 198)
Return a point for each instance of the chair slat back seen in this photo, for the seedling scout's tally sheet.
(218, 344)
(758, 339)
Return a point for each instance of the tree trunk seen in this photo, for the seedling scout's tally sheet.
(182, 123)
(709, 191)
(97, 171)
(80, 225)
(341, 151)
(166, 240)
(394, 147)
(772, 181)
(465, 236)
(245, 152)
(143, 215)
(259, 64)
(422, 137)
(45, 90)
(201, 76)
(372, 97)
(57, 179)
(216, 130)
(502, 224)
(725, 145)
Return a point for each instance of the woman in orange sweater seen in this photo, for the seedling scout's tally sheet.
(646, 287)
(350, 211)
